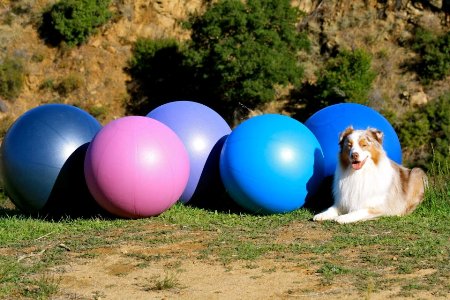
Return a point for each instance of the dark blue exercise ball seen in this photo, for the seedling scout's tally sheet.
(42, 158)
(271, 164)
(329, 122)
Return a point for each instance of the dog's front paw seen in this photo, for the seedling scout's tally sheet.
(321, 217)
(357, 216)
(346, 219)
(328, 215)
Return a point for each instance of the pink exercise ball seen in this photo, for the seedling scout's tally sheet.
(136, 167)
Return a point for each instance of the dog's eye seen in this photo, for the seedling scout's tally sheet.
(363, 144)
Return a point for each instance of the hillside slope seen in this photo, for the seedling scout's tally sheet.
(95, 72)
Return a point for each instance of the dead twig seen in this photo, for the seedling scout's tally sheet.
(43, 236)
(22, 257)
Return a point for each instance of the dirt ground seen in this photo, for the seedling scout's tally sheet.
(178, 271)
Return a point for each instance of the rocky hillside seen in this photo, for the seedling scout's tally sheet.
(382, 28)
(93, 76)
(96, 69)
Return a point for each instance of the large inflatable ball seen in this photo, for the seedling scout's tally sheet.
(136, 167)
(328, 123)
(271, 164)
(202, 131)
(42, 159)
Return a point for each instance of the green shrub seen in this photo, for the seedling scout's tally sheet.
(69, 84)
(97, 111)
(347, 77)
(73, 21)
(148, 59)
(156, 67)
(242, 49)
(12, 75)
(47, 84)
(434, 52)
(5, 123)
(425, 133)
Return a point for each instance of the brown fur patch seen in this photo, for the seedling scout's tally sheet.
(412, 183)
(345, 134)
(344, 158)
(363, 142)
(375, 212)
(374, 139)
(344, 146)
(404, 178)
(375, 153)
(376, 134)
(416, 188)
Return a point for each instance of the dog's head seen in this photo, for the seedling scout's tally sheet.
(358, 146)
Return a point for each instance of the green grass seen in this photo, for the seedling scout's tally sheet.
(372, 256)
(12, 77)
(168, 281)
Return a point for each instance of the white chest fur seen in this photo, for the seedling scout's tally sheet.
(364, 188)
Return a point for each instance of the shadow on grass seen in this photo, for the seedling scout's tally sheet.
(210, 193)
(6, 212)
(69, 197)
(322, 199)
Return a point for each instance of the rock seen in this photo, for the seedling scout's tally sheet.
(307, 6)
(3, 106)
(436, 3)
(418, 99)
(404, 95)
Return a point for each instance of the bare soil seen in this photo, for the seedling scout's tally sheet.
(180, 270)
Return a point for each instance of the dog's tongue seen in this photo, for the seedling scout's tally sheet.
(356, 165)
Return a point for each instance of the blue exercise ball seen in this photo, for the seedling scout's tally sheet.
(271, 164)
(42, 157)
(202, 130)
(329, 122)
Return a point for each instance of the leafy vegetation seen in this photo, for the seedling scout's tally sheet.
(73, 21)
(64, 86)
(69, 84)
(169, 281)
(242, 49)
(144, 61)
(156, 67)
(434, 54)
(425, 133)
(238, 52)
(347, 77)
(12, 76)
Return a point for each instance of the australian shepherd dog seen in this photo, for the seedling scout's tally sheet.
(367, 184)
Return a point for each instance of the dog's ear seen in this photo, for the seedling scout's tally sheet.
(345, 133)
(378, 135)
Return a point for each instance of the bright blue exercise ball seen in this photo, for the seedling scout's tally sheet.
(202, 130)
(42, 158)
(271, 164)
(329, 122)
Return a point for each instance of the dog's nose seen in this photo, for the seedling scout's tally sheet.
(355, 155)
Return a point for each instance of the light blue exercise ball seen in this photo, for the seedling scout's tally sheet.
(271, 164)
(202, 130)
